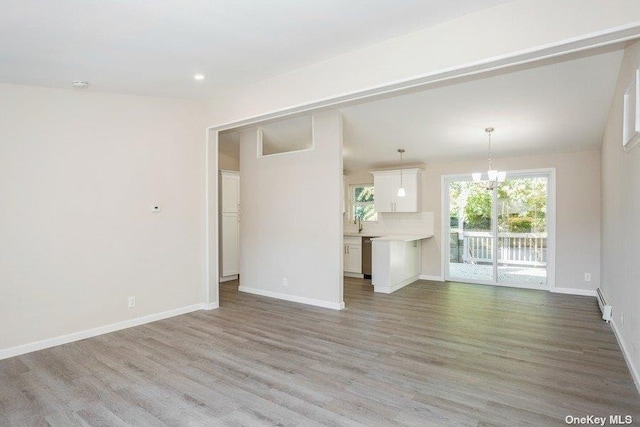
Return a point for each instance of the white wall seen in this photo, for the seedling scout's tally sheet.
(529, 24)
(291, 218)
(78, 174)
(228, 162)
(577, 211)
(620, 219)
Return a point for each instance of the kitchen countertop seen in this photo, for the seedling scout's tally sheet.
(403, 237)
(362, 234)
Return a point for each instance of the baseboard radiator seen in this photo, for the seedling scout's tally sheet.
(605, 307)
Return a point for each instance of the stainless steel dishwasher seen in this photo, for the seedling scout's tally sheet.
(366, 257)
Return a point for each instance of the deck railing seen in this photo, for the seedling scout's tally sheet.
(513, 248)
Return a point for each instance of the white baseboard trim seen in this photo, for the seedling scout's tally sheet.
(635, 374)
(210, 306)
(390, 289)
(432, 278)
(227, 278)
(356, 275)
(293, 298)
(100, 330)
(573, 291)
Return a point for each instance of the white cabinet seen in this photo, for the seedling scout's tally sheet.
(384, 194)
(386, 184)
(412, 259)
(229, 223)
(353, 259)
(411, 202)
(395, 263)
(352, 254)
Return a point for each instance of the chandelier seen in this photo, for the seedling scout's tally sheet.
(494, 177)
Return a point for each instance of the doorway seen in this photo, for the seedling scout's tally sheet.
(229, 208)
(500, 234)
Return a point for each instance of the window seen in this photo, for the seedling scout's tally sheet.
(362, 206)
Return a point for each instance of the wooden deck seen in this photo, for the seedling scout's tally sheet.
(428, 354)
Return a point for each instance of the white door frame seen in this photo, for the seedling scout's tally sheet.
(551, 227)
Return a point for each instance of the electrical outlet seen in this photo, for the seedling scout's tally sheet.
(131, 302)
(587, 277)
(284, 282)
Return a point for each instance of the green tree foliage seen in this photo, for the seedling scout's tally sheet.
(363, 208)
(522, 205)
(478, 210)
(364, 194)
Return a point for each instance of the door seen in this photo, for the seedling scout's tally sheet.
(522, 238)
(499, 235)
(470, 231)
(230, 244)
(229, 223)
(230, 192)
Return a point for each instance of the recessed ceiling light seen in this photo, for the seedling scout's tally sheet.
(80, 84)
(198, 76)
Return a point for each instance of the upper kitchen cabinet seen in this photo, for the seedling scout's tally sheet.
(386, 185)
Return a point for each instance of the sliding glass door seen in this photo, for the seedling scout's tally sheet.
(471, 236)
(522, 231)
(498, 234)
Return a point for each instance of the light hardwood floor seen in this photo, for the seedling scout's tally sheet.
(429, 354)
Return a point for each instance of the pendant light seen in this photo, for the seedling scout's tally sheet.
(401, 192)
(495, 177)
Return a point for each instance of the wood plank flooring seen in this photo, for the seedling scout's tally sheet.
(429, 354)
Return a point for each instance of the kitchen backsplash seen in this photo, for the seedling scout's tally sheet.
(395, 223)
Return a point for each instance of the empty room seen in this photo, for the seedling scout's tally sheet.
(293, 213)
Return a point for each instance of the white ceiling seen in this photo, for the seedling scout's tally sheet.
(559, 105)
(154, 47)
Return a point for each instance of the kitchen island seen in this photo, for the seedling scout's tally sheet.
(396, 261)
